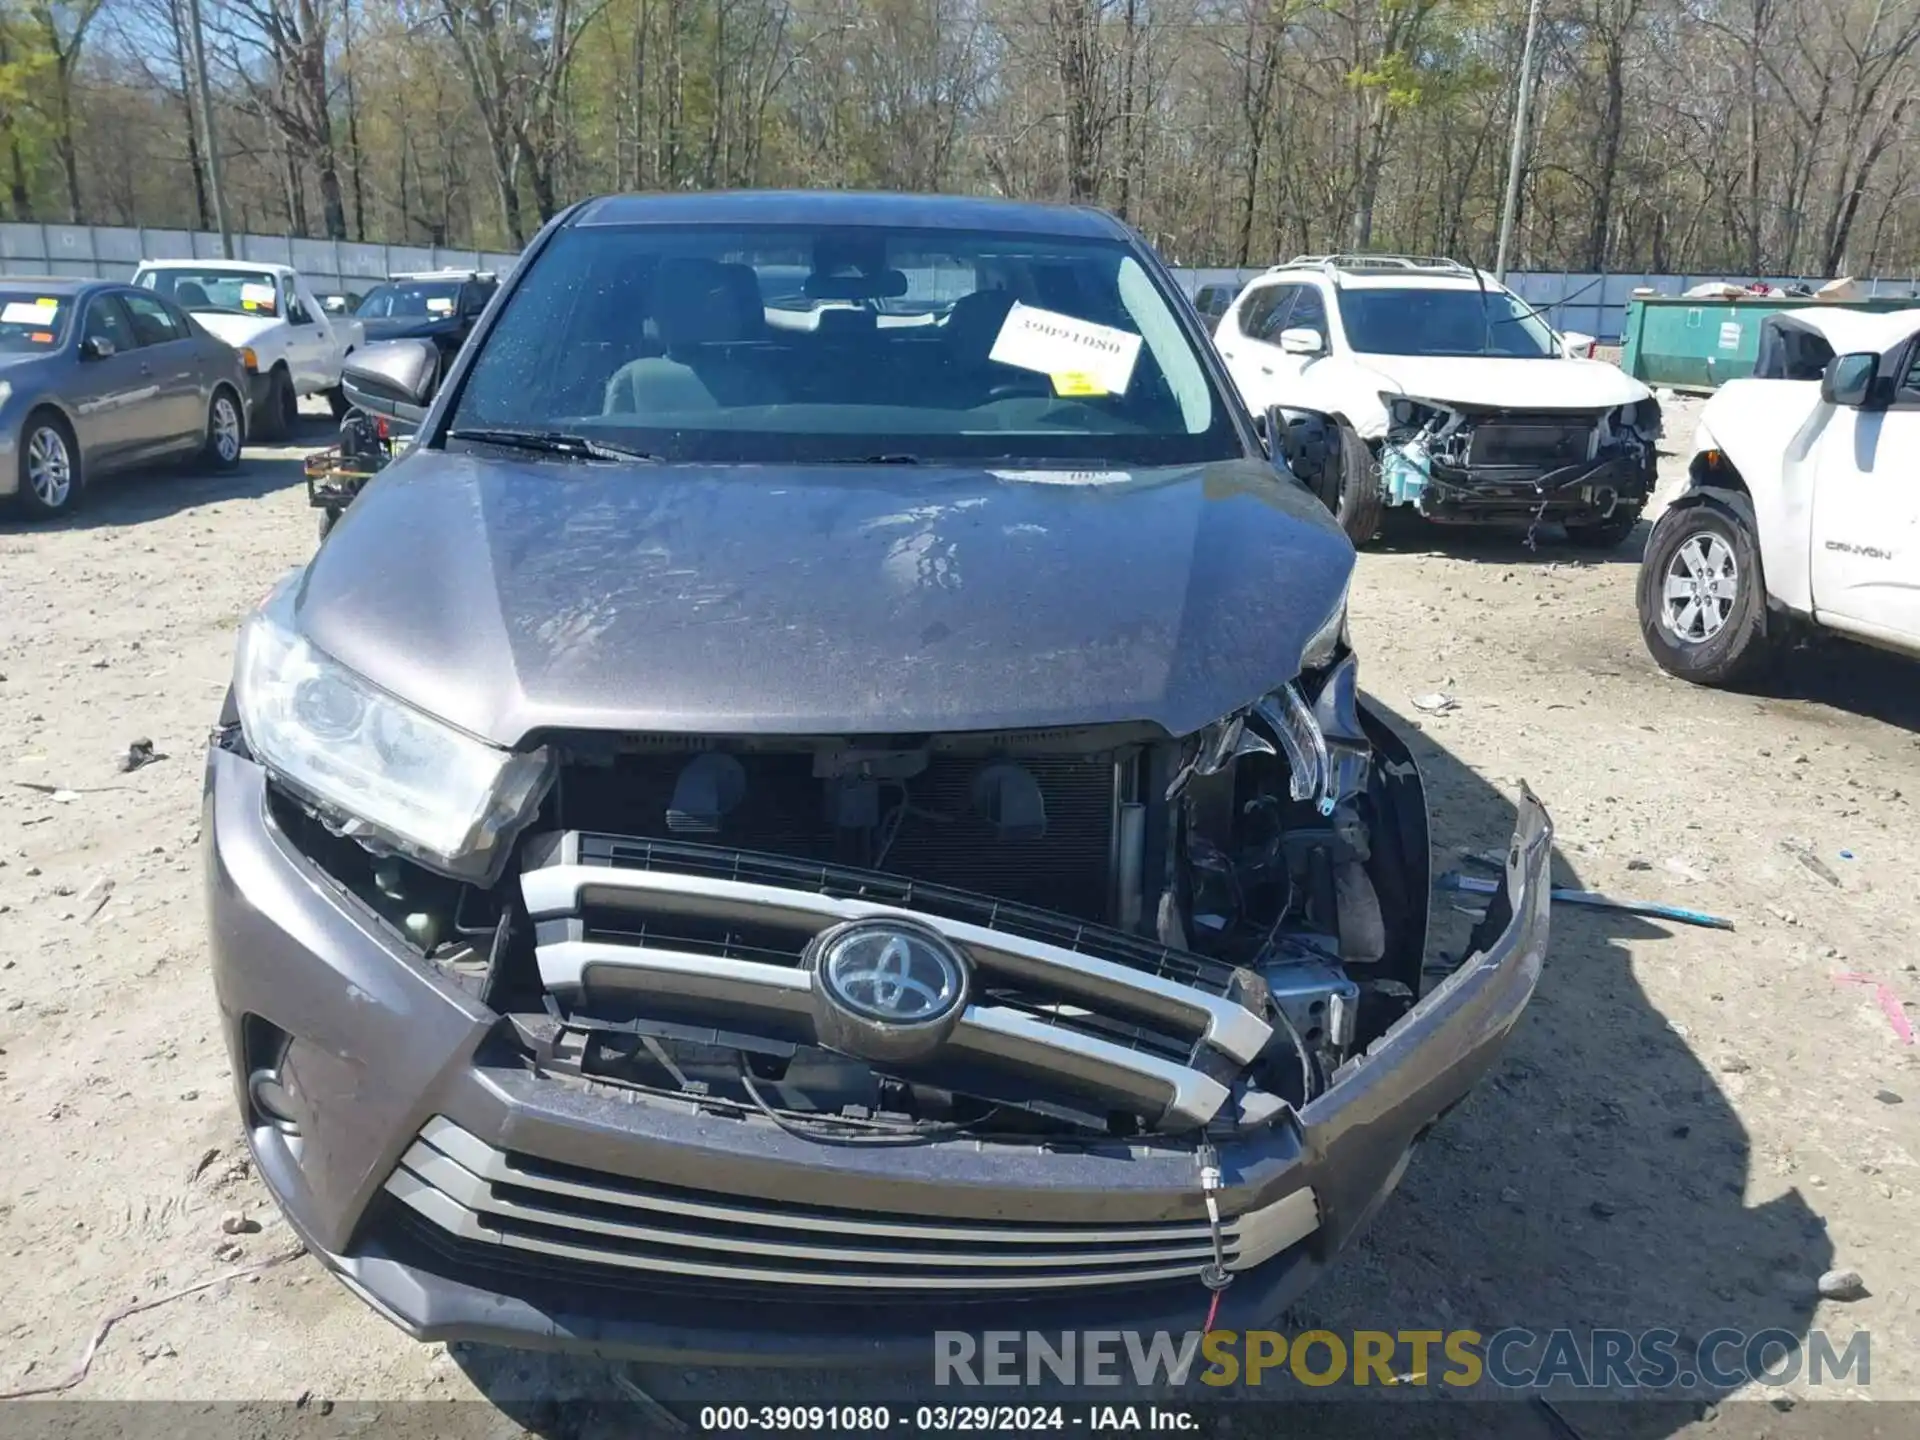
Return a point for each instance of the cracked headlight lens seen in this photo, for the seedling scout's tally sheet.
(395, 777)
(1325, 643)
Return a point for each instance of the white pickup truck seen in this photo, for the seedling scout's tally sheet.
(1801, 508)
(289, 343)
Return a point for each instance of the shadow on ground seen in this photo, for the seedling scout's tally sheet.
(1598, 1179)
(1404, 533)
(1844, 675)
(135, 496)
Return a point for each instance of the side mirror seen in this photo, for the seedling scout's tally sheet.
(1848, 379)
(1303, 341)
(96, 347)
(1576, 346)
(394, 378)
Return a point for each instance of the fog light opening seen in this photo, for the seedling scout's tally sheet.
(273, 1101)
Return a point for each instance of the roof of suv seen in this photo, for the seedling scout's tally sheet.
(1392, 272)
(258, 267)
(840, 207)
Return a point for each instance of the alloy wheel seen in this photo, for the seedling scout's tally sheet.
(226, 429)
(1702, 583)
(49, 467)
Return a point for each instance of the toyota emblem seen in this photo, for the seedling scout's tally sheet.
(887, 990)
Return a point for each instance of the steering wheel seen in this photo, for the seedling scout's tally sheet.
(1037, 388)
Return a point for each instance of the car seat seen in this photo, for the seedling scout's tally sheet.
(698, 310)
(191, 295)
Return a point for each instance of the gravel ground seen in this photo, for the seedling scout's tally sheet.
(1689, 1127)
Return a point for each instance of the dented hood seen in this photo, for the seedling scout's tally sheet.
(512, 597)
(1495, 383)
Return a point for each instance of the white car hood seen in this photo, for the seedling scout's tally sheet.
(236, 330)
(1507, 384)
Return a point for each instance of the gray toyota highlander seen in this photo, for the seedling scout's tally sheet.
(826, 798)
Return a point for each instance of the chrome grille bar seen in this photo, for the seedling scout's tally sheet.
(995, 1032)
(476, 1192)
(1224, 1023)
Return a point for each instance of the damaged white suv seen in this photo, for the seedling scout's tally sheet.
(1471, 407)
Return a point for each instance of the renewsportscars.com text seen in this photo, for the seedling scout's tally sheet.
(1514, 1358)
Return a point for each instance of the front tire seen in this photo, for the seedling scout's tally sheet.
(1702, 597)
(282, 408)
(226, 432)
(1349, 485)
(50, 476)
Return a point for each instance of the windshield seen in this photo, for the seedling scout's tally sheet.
(31, 323)
(238, 292)
(412, 300)
(1443, 322)
(850, 344)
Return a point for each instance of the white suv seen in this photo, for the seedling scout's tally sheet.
(1471, 406)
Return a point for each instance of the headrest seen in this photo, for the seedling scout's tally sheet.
(695, 302)
(191, 295)
(975, 321)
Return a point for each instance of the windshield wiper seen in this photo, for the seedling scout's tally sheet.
(551, 442)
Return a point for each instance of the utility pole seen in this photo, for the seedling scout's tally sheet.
(208, 137)
(1517, 156)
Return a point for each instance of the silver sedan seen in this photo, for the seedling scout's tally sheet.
(97, 376)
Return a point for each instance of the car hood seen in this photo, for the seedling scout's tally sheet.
(1507, 384)
(510, 598)
(236, 330)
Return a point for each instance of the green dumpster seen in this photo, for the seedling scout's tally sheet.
(1701, 344)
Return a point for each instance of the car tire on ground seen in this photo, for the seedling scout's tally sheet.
(1349, 486)
(1702, 597)
(280, 412)
(1605, 534)
(51, 481)
(226, 431)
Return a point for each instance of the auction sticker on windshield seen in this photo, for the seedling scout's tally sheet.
(19, 312)
(256, 297)
(1098, 358)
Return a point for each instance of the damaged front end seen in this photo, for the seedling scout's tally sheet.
(823, 1037)
(1454, 462)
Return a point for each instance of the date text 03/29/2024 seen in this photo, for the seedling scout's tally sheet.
(942, 1419)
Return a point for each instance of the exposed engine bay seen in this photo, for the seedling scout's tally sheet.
(1473, 462)
(1164, 935)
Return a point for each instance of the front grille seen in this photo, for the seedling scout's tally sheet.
(783, 812)
(1541, 444)
(530, 1207)
(1084, 1013)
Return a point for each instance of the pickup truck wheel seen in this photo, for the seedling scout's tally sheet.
(225, 432)
(1702, 597)
(281, 410)
(1605, 534)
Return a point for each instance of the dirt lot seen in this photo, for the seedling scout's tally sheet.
(1690, 1127)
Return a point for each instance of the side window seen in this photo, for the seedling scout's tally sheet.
(296, 309)
(1264, 313)
(153, 323)
(105, 320)
(1309, 311)
(1910, 381)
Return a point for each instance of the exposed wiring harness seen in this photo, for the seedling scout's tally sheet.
(834, 1132)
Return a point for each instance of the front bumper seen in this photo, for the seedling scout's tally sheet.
(385, 1048)
(1589, 491)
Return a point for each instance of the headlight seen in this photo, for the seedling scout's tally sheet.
(1325, 642)
(1404, 413)
(395, 777)
(6, 391)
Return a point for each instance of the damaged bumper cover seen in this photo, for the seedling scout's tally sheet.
(465, 1195)
(1453, 463)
